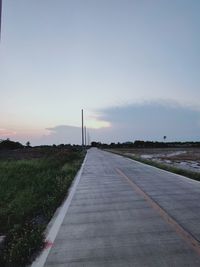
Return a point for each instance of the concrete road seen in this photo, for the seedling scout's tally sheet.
(124, 213)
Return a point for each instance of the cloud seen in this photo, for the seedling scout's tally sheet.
(62, 134)
(143, 121)
(93, 122)
(73, 135)
(153, 120)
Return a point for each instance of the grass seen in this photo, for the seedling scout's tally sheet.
(30, 192)
(189, 174)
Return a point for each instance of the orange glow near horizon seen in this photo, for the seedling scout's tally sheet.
(95, 123)
(21, 133)
(5, 132)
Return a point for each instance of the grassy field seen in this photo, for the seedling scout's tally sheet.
(33, 183)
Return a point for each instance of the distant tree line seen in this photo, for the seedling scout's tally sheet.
(8, 144)
(145, 144)
(11, 145)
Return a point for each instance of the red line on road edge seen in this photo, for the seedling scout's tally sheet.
(48, 244)
(194, 243)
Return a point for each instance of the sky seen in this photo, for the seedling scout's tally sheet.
(132, 65)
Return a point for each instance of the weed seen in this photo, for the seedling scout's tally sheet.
(30, 192)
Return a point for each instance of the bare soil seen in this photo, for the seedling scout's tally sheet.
(184, 158)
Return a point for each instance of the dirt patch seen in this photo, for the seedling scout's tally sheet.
(184, 158)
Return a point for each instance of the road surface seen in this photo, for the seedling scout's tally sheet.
(124, 213)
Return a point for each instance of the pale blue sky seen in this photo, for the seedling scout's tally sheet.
(57, 57)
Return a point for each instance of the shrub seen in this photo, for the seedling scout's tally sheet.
(8, 144)
(30, 191)
(21, 242)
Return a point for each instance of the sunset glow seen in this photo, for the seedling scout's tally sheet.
(5, 132)
(95, 123)
(124, 63)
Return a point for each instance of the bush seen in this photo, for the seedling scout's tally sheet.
(30, 192)
(8, 144)
(20, 244)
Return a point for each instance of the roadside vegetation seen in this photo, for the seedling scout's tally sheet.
(33, 183)
(184, 158)
(186, 173)
(146, 144)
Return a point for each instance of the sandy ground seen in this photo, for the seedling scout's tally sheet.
(185, 158)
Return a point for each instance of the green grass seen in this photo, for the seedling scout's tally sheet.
(189, 174)
(30, 192)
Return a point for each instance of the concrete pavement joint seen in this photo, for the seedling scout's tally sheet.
(188, 237)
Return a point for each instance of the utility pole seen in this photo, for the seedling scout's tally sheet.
(82, 128)
(88, 138)
(0, 16)
(85, 136)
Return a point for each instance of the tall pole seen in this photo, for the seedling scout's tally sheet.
(0, 16)
(85, 136)
(82, 129)
(88, 138)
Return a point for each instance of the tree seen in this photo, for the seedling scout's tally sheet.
(28, 144)
(8, 144)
